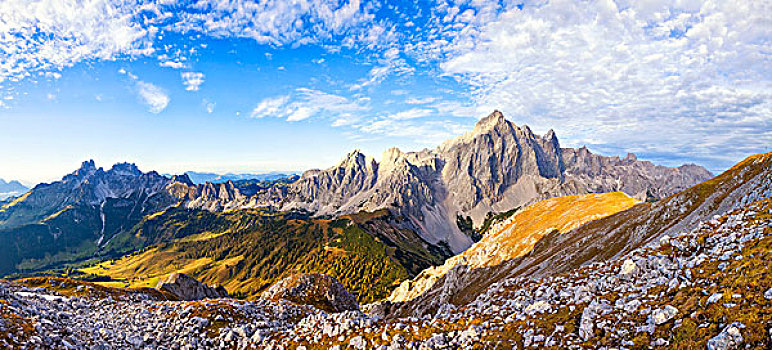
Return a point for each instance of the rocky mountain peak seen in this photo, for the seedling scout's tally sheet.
(391, 156)
(86, 168)
(88, 165)
(183, 179)
(126, 169)
(353, 158)
(492, 121)
(551, 136)
(493, 168)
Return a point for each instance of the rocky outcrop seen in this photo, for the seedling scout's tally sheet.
(729, 338)
(321, 291)
(188, 288)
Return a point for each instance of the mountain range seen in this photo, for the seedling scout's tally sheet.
(203, 177)
(430, 205)
(493, 168)
(12, 188)
(498, 238)
(603, 270)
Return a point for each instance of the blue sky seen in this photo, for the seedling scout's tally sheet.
(237, 86)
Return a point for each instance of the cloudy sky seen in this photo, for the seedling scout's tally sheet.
(242, 86)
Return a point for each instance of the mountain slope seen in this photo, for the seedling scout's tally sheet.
(609, 237)
(247, 250)
(506, 240)
(71, 219)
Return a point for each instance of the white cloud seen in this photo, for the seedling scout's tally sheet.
(414, 113)
(305, 103)
(53, 34)
(151, 95)
(48, 35)
(192, 80)
(208, 105)
(663, 78)
(270, 107)
(390, 63)
(172, 64)
(275, 22)
(420, 101)
(154, 97)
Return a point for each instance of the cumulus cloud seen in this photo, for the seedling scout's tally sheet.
(660, 78)
(154, 97)
(172, 64)
(271, 107)
(606, 73)
(192, 80)
(275, 22)
(151, 95)
(305, 103)
(430, 133)
(49, 35)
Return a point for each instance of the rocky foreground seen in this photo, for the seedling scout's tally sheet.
(709, 288)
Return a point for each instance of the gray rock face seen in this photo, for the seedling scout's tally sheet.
(629, 269)
(729, 338)
(188, 288)
(663, 315)
(319, 290)
(495, 167)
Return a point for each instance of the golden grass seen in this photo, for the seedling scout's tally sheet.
(146, 268)
(17, 200)
(525, 228)
(203, 236)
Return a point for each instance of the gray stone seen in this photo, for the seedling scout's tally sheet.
(321, 291)
(188, 288)
(729, 338)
